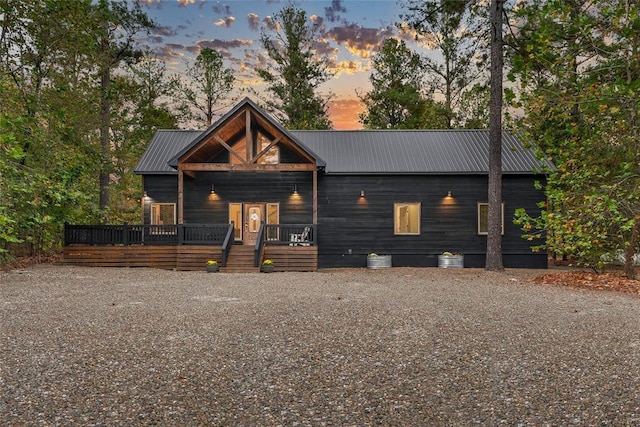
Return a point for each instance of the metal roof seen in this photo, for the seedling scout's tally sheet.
(163, 146)
(378, 151)
(417, 152)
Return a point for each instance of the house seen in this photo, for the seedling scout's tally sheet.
(320, 199)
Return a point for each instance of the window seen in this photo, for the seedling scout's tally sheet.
(235, 215)
(163, 213)
(483, 218)
(406, 218)
(273, 217)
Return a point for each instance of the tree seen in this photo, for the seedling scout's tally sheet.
(45, 117)
(494, 235)
(473, 112)
(55, 57)
(578, 65)
(117, 26)
(296, 73)
(139, 110)
(448, 26)
(396, 101)
(209, 84)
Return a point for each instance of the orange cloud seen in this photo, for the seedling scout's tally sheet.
(225, 21)
(344, 113)
(185, 3)
(347, 67)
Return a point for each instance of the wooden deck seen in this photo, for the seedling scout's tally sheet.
(187, 257)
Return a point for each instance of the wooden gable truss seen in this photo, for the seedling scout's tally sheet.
(243, 124)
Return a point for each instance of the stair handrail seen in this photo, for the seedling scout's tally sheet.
(259, 245)
(228, 239)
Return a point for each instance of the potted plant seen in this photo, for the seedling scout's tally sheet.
(378, 261)
(267, 266)
(450, 260)
(212, 266)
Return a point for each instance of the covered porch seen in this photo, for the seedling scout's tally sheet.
(292, 247)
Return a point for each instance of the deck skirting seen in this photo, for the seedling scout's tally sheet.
(182, 257)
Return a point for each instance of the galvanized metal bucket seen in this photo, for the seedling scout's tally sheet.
(450, 261)
(379, 261)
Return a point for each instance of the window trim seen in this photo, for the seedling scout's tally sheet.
(238, 226)
(277, 206)
(395, 218)
(485, 233)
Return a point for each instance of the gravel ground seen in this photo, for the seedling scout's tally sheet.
(353, 347)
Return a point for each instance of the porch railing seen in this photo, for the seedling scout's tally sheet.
(290, 234)
(257, 253)
(128, 234)
(228, 241)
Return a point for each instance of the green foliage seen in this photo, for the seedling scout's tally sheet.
(296, 73)
(395, 101)
(210, 82)
(453, 29)
(49, 149)
(578, 68)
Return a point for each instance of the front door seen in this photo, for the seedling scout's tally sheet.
(253, 217)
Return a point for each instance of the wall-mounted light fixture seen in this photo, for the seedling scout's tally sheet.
(361, 193)
(295, 188)
(213, 189)
(449, 194)
(144, 195)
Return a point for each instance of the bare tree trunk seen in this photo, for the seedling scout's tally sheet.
(105, 124)
(630, 250)
(494, 237)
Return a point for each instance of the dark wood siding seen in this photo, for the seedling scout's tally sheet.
(350, 227)
(200, 206)
(159, 189)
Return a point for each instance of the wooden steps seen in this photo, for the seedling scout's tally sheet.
(240, 260)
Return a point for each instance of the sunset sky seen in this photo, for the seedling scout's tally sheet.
(352, 32)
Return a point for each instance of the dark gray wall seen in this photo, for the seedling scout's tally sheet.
(349, 227)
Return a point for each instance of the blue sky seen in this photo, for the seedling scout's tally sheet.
(352, 31)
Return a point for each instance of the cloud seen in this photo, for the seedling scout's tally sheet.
(318, 21)
(347, 67)
(221, 46)
(169, 51)
(359, 40)
(185, 3)
(149, 3)
(344, 113)
(272, 25)
(163, 30)
(155, 39)
(332, 12)
(222, 9)
(254, 21)
(323, 47)
(225, 22)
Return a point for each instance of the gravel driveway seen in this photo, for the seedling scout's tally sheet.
(356, 347)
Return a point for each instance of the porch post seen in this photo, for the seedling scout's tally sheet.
(315, 196)
(180, 195)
